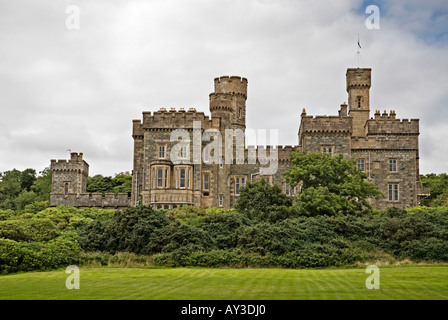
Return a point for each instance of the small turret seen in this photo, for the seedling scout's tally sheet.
(358, 87)
(228, 101)
(69, 177)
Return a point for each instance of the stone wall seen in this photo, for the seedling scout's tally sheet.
(94, 200)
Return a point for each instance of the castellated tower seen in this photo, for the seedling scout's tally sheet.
(358, 86)
(69, 177)
(229, 101)
(69, 186)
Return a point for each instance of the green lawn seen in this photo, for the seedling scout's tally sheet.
(404, 282)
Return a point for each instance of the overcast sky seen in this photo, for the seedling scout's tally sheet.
(80, 89)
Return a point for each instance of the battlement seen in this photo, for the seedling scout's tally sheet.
(172, 119)
(388, 124)
(325, 123)
(221, 101)
(358, 78)
(85, 200)
(232, 84)
(74, 164)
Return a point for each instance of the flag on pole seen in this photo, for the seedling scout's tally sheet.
(359, 45)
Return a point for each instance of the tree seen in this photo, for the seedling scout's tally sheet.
(258, 199)
(122, 182)
(9, 188)
(99, 183)
(441, 200)
(27, 178)
(437, 185)
(330, 184)
(13, 183)
(25, 198)
(42, 185)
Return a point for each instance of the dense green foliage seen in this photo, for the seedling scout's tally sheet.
(21, 188)
(263, 201)
(121, 183)
(329, 223)
(25, 191)
(44, 240)
(188, 236)
(330, 184)
(437, 187)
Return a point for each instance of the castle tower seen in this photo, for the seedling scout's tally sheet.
(228, 101)
(69, 177)
(358, 86)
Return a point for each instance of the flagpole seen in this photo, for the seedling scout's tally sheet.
(358, 52)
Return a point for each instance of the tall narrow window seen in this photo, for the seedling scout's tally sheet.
(66, 188)
(161, 152)
(237, 185)
(393, 192)
(188, 179)
(206, 181)
(287, 188)
(183, 152)
(182, 178)
(166, 178)
(393, 165)
(243, 182)
(359, 102)
(159, 178)
(221, 200)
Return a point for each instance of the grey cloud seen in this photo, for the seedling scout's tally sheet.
(81, 89)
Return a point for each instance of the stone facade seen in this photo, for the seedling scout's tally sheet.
(384, 147)
(69, 182)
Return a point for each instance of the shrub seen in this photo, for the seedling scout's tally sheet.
(178, 238)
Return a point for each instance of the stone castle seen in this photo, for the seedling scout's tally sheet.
(385, 147)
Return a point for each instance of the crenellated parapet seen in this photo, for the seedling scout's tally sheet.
(74, 164)
(164, 120)
(232, 84)
(387, 123)
(96, 200)
(326, 124)
(222, 102)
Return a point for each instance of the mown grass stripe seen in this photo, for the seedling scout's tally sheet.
(240, 284)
